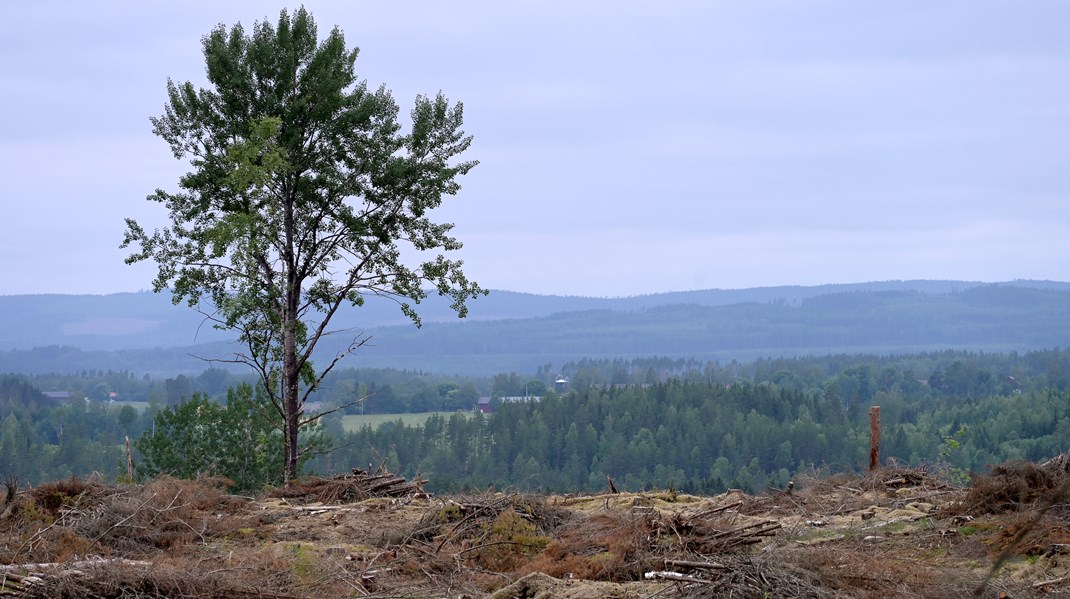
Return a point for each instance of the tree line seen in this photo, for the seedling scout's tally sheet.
(995, 319)
(707, 437)
(701, 426)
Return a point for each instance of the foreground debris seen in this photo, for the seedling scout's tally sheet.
(898, 532)
(358, 485)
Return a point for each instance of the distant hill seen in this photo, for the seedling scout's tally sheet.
(144, 332)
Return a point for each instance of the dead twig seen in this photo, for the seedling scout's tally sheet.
(675, 576)
(717, 510)
(1048, 583)
(681, 563)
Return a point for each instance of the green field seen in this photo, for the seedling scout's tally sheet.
(137, 405)
(353, 422)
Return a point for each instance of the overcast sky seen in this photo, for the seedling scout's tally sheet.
(625, 147)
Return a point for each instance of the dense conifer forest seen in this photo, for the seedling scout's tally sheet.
(656, 422)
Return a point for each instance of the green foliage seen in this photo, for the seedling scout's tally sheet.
(239, 440)
(952, 446)
(44, 439)
(695, 427)
(694, 436)
(303, 195)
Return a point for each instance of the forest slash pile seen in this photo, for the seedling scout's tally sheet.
(898, 532)
(356, 486)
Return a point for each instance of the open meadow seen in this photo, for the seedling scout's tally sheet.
(354, 422)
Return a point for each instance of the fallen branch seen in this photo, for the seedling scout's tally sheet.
(493, 543)
(135, 513)
(717, 510)
(675, 576)
(453, 530)
(764, 527)
(8, 569)
(680, 563)
(1048, 583)
(314, 509)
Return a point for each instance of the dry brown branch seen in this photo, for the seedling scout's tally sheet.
(766, 576)
(36, 536)
(73, 565)
(126, 519)
(355, 486)
(204, 544)
(717, 510)
(1048, 583)
(476, 511)
(680, 563)
(762, 528)
(675, 576)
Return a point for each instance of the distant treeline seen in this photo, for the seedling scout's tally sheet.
(145, 320)
(710, 427)
(697, 426)
(982, 319)
(381, 390)
(699, 437)
(873, 319)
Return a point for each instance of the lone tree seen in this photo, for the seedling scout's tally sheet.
(304, 193)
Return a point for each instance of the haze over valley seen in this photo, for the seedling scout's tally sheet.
(508, 331)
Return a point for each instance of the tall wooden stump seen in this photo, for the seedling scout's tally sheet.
(874, 438)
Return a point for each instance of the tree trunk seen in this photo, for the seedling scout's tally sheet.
(291, 407)
(290, 368)
(874, 438)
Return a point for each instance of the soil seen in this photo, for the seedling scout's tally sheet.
(898, 532)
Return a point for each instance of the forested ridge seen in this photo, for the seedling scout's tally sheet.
(517, 332)
(983, 318)
(656, 422)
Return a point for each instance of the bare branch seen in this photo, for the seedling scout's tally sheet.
(312, 419)
(354, 346)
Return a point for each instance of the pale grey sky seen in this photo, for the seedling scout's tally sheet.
(625, 147)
